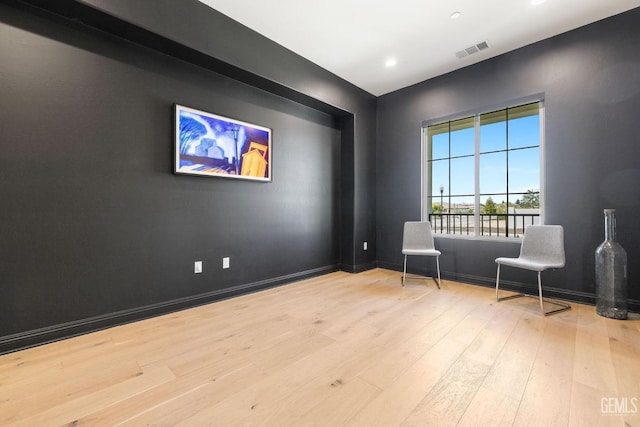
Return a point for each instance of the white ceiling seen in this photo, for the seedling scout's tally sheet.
(354, 38)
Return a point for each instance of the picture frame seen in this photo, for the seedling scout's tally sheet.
(207, 144)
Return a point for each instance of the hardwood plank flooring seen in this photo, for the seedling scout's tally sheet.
(338, 350)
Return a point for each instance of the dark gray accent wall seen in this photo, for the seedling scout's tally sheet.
(590, 79)
(278, 70)
(97, 230)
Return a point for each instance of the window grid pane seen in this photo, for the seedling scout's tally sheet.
(508, 147)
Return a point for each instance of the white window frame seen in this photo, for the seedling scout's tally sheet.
(426, 187)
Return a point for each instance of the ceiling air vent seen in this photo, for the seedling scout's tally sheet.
(472, 49)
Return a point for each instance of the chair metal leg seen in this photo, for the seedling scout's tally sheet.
(404, 271)
(497, 283)
(540, 294)
(498, 287)
(563, 306)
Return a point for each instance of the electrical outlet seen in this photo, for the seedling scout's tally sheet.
(366, 246)
(197, 267)
(225, 262)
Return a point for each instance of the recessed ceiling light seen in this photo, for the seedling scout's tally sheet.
(391, 62)
(455, 15)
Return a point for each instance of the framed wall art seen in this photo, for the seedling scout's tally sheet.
(210, 145)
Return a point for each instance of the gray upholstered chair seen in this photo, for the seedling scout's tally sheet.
(417, 239)
(542, 248)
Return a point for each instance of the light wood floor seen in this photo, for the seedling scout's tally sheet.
(338, 350)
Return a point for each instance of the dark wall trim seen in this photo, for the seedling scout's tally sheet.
(53, 333)
(358, 268)
(510, 285)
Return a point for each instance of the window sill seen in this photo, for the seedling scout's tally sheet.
(480, 238)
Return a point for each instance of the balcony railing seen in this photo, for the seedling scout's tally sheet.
(506, 225)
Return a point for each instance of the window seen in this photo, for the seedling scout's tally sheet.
(482, 172)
